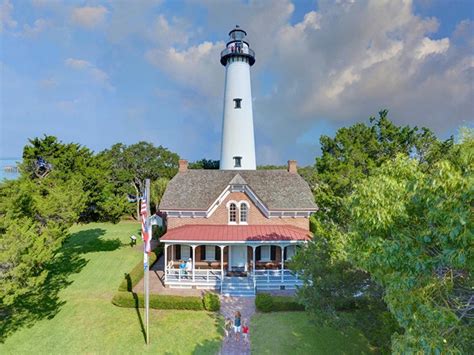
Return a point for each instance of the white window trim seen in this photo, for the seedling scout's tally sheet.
(265, 247)
(237, 211)
(243, 202)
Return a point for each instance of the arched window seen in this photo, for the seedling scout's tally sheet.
(243, 213)
(232, 213)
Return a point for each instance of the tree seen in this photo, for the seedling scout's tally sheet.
(158, 188)
(205, 164)
(34, 219)
(71, 161)
(412, 230)
(333, 281)
(131, 165)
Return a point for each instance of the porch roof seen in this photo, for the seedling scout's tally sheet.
(236, 233)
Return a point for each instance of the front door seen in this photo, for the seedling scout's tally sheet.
(238, 256)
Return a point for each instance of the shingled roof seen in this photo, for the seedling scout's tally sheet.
(198, 189)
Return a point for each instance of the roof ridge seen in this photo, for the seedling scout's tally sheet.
(238, 180)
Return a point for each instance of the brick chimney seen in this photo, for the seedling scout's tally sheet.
(292, 168)
(183, 165)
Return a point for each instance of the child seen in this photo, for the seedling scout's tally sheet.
(227, 326)
(245, 331)
(237, 325)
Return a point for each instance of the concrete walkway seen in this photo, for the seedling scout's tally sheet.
(246, 307)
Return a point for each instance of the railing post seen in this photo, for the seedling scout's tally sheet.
(282, 257)
(268, 276)
(194, 260)
(207, 275)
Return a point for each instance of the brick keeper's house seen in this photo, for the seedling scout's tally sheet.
(238, 226)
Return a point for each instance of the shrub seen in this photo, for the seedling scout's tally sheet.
(134, 300)
(264, 302)
(211, 302)
(133, 277)
(268, 303)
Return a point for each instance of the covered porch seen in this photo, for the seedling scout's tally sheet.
(215, 253)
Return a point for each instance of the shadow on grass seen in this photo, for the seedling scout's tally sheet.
(44, 302)
(137, 306)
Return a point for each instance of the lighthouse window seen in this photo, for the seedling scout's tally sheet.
(237, 103)
(237, 162)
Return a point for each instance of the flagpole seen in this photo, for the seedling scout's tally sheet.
(145, 262)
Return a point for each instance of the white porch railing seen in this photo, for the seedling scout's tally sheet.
(262, 279)
(200, 275)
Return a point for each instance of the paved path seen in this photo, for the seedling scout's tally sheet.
(246, 306)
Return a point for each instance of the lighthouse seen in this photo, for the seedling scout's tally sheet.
(238, 142)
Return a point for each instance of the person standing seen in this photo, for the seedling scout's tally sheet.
(237, 325)
(245, 331)
(189, 266)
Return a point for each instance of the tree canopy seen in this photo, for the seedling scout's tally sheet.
(412, 230)
(335, 281)
(131, 165)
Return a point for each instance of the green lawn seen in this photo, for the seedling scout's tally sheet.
(74, 313)
(293, 333)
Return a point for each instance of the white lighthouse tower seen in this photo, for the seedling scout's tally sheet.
(238, 143)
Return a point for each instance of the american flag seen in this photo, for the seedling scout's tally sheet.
(145, 236)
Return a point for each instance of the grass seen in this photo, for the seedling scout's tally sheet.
(293, 333)
(74, 313)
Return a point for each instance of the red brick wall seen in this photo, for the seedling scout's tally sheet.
(255, 216)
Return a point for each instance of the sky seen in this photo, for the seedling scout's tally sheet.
(102, 72)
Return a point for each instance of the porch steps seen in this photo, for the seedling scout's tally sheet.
(238, 287)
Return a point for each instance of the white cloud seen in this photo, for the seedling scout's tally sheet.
(166, 33)
(96, 73)
(38, 26)
(6, 18)
(429, 47)
(89, 16)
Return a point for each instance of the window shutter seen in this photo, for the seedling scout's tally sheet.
(218, 253)
(258, 254)
(273, 250)
(178, 252)
(284, 254)
(203, 252)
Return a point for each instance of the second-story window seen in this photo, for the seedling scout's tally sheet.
(232, 213)
(237, 103)
(243, 213)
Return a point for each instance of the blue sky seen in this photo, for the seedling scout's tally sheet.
(101, 72)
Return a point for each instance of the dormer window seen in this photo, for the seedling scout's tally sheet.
(237, 162)
(237, 103)
(232, 213)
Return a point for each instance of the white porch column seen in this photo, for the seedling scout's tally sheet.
(282, 247)
(166, 260)
(254, 247)
(194, 261)
(222, 261)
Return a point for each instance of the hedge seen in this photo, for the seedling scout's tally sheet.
(268, 303)
(211, 302)
(134, 300)
(132, 278)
